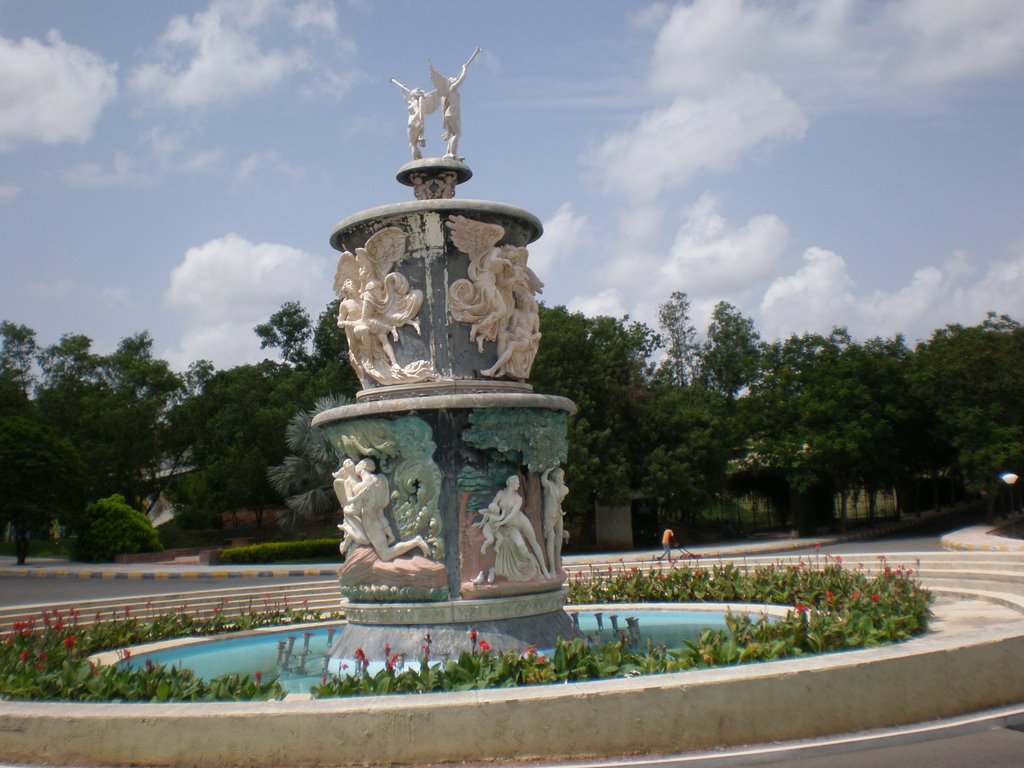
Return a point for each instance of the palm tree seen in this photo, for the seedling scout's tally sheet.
(305, 478)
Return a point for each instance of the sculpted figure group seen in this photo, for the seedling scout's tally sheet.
(498, 298)
(518, 555)
(364, 495)
(421, 103)
(375, 303)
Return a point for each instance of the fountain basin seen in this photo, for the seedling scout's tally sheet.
(299, 654)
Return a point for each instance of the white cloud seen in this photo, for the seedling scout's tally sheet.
(216, 56)
(821, 295)
(564, 235)
(669, 145)
(8, 192)
(51, 92)
(832, 54)
(949, 41)
(607, 302)
(228, 285)
(122, 173)
(269, 160)
(708, 258)
(314, 14)
(170, 154)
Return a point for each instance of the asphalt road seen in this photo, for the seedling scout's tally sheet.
(20, 590)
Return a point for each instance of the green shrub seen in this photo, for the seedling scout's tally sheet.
(281, 551)
(111, 527)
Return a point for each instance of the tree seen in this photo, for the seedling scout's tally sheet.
(730, 355)
(683, 351)
(41, 478)
(18, 349)
(288, 330)
(304, 479)
(114, 408)
(825, 409)
(971, 376)
(232, 430)
(601, 364)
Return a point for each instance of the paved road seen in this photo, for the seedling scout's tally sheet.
(19, 590)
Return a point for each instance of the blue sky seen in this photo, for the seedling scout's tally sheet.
(178, 168)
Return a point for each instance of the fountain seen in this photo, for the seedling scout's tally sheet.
(450, 472)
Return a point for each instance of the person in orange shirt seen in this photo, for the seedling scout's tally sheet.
(668, 540)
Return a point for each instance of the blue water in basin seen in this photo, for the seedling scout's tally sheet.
(304, 666)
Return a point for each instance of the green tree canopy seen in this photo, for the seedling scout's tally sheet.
(41, 478)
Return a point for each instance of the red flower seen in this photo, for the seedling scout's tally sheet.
(542, 659)
(472, 635)
(24, 655)
(801, 608)
(259, 678)
(484, 646)
(829, 596)
(69, 642)
(360, 655)
(876, 597)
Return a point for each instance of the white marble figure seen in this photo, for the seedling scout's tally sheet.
(451, 106)
(420, 104)
(375, 303)
(518, 341)
(364, 495)
(517, 554)
(498, 298)
(552, 482)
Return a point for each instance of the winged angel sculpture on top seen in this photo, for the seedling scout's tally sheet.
(498, 298)
(375, 303)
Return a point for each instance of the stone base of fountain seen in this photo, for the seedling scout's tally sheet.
(507, 623)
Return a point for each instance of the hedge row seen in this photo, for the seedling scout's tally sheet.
(282, 551)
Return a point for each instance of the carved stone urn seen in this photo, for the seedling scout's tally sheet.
(450, 466)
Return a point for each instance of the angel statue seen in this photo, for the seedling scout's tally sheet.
(375, 303)
(451, 105)
(498, 298)
(420, 104)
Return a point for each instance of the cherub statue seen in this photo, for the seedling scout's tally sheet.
(375, 303)
(451, 105)
(420, 104)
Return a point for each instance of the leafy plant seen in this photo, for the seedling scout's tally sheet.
(111, 527)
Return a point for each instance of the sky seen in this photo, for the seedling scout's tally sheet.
(178, 167)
